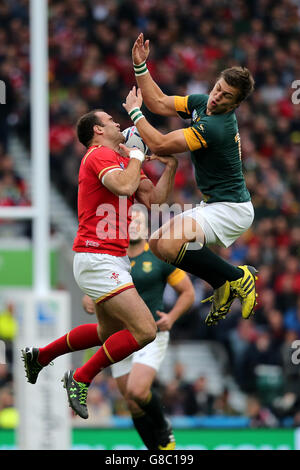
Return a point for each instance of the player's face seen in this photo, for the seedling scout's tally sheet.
(137, 227)
(222, 98)
(111, 129)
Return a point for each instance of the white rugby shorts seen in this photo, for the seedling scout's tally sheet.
(151, 355)
(222, 222)
(102, 276)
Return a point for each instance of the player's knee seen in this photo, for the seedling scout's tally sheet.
(146, 335)
(147, 338)
(166, 249)
(135, 395)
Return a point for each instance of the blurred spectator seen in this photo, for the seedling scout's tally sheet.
(5, 375)
(260, 417)
(263, 351)
(172, 399)
(276, 326)
(8, 330)
(197, 399)
(290, 361)
(9, 417)
(7, 108)
(240, 339)
(292, 318)
(287, 404)
(13, 192)
(222, 405)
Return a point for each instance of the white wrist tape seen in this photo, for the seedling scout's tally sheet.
(140, 69)
(138, 154)
(136, 114)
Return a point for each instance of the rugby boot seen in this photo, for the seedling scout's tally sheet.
(77, 394)
(166, 438)
(31, 364)
(221, 299)
(244, 289)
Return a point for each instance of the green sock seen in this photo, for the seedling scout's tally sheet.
(144, 426)
(204, 263)
(153, 408)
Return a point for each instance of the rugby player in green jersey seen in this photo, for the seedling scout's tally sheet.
(135, 374)
(226, 210)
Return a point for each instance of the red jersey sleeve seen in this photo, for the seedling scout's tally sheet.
(102, 160)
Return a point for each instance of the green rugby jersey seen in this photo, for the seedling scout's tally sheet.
(150, 276)
(215, 146)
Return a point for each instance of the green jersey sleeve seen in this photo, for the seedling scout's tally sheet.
(185, 105)
(166, 269)
(203, 131)
(176, 276)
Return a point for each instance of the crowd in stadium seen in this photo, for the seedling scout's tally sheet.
(90, 67)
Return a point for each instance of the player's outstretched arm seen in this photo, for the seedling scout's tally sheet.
(186, 297)
(155, 100)
(148, 193)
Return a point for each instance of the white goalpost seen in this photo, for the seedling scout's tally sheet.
(42, 314)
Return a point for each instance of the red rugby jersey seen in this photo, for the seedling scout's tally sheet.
(103, 217)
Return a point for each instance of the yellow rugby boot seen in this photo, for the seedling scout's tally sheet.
(244, 289)
(221, 299)
(166, 438)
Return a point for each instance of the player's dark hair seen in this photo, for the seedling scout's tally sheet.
(240, 78)
(85, 125)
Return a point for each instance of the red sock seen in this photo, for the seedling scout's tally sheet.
(116, 347)
(81, 337)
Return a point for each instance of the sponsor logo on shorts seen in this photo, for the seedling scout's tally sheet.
(115, 277)
(91, 243)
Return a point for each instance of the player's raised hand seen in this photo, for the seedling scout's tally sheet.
(134, 99)
(140, 50)
(165, 321)
(124, 150)
(88, 304)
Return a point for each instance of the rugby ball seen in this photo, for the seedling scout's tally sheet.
(133, 139)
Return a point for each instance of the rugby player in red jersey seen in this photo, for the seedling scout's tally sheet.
(110, 178)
